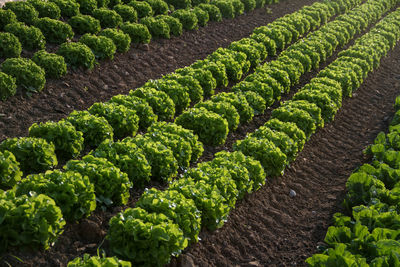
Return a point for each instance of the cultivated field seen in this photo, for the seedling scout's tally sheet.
(198, 133)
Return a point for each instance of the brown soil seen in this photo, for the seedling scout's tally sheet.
(80, 89)
(270, 228)
(267, 228)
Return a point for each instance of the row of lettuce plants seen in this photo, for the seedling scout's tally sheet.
(368, 236)
(159, 99)
(104, 176)
(30, 25)
(265, 86)
(165, 222)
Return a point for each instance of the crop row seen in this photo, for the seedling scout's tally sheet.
(57, 176)
(139, 159)
(161, 99)
(29, 25)
(369, 235)
(276, 77)
(62, 140)
(164, 222)
(156, 154)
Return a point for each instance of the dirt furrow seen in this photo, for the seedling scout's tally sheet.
(80, 89)
(271, 228)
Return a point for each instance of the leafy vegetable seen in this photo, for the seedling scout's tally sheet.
(71, 191)
(95, 129)
(147, 239)
(68, 142)
(8, 87)
(30, 37)
(28, 221)
(111, 185)
(10, 173)
(176, 207)
(128, 157)
(77, 55)
(53, 65)
(124, 121)
(211, 128)
(101, 46)
(55, 31)
(33, 154)
(89, 261)
(27, 74)
(163, 164)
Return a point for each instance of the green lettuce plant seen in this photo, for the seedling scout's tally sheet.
(163, 164)
(77, 55)
(95, 129)
(84, 24)
(124, 121)
(207, 198)
(89, 261)
(157, 28)
(211, 128)
(29, 221)
(188, 135)
(129, 158)
(71, 191)
(24, 11)
(9, 170)
(140, 106)
(53, 64)
(55, 31)
(8, 87)
(111, 185)
(143, 8)
(176, 207)
(33, 154)
(27, 74)
(101, 46)
(138, 33)
(108, 18)
(127, 13)
(121, 40)
(30, 37)
(265, 151)
(69, 8)
(68, 142)
(147, 239)
(160, 102)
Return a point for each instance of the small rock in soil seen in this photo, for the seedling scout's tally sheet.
(292, 193)
(86, 247)
(254, 263)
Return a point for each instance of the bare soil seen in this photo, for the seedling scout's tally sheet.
(79, 89)
(271, 228)
(267, 228)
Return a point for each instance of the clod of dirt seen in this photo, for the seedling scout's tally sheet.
(185, 261)
(91, 231)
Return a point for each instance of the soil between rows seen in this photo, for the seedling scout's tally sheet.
(270, 228)
(80, 89)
